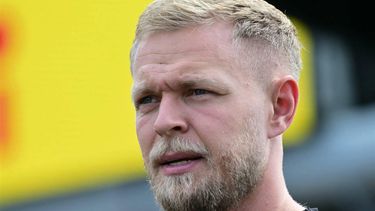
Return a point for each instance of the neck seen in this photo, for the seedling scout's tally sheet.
(271, 193)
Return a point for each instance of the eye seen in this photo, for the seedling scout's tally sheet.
(145, 101)
(200, 92)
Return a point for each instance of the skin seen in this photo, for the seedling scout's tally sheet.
(187, 84)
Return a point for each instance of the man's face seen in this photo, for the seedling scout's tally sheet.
(201, 119)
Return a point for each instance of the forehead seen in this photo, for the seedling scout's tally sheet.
(200, 43)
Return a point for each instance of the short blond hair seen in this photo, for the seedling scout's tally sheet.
(250, 18)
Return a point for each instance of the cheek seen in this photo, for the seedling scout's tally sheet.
(145, 135)
(218, 127)
(215, 127)
(219, 120)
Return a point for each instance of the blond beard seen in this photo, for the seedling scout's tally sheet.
(232, 175)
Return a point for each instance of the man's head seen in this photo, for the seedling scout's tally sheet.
(214, 86)
(251, 19)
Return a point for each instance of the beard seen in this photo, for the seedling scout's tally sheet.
(229, 176)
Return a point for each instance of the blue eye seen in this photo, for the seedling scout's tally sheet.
(200, 92)
(146, 103)
(146, 100)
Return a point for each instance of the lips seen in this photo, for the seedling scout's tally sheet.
(179, 162)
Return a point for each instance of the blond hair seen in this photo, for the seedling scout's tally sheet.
(251, 19)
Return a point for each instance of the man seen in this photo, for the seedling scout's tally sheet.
(215, 87)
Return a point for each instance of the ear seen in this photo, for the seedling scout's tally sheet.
(284, 103)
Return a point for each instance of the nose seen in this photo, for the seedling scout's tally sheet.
(171, 118)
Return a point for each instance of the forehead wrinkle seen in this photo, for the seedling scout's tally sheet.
(169, 53)
(195, 63)
(173, 57)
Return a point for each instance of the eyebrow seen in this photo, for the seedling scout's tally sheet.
(191, 82)
(188, 82)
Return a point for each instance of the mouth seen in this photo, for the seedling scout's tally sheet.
(175, 163)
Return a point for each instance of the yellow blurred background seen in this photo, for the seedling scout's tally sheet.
(65, 90)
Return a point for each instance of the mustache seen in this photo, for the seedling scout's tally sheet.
(176, 144)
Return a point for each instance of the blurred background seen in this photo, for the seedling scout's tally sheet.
(67, 139)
